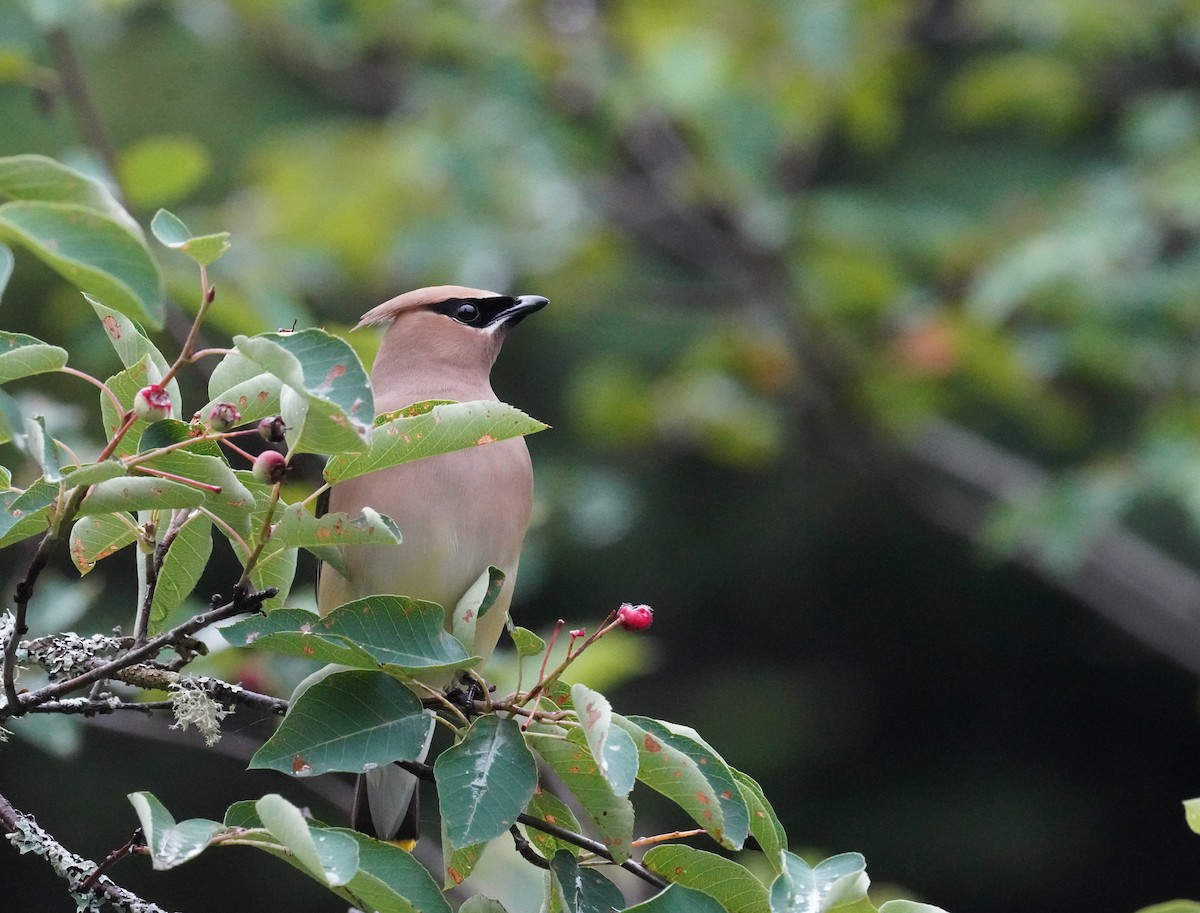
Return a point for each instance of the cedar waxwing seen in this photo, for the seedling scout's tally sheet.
(458, 512)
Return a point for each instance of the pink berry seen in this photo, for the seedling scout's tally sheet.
(152, 403)
(635, 617)
(270, 466)
(223, 416)
(272, 429)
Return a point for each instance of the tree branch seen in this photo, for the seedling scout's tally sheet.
(27, 837)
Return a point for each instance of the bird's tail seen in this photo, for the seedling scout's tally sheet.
(386, 802)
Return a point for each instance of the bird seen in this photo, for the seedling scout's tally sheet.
(458, 513)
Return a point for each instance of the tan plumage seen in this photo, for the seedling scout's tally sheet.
(458, 512)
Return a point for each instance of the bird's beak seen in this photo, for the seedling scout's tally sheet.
(526, 305)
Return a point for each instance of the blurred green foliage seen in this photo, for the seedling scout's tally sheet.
(779, 236)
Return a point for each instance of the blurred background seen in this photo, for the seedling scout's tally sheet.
(871, 360)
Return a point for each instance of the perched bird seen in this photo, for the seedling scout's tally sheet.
(458, 512)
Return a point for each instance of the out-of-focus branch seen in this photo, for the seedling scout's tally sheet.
(953, 476)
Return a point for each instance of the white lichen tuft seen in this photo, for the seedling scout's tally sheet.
(193, 706)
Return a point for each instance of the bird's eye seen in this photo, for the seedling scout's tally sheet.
(466, 313)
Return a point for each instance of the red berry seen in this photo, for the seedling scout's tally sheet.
(270, 466)
(635, 617)
(152, 403)
(223, 416)
(272, 429)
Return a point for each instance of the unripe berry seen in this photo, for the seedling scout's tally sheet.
(152, 403)
(635, 617)
(223, 416)
(272, 429)
(270, 466)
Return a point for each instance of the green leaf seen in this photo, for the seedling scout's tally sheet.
(401, 437)
(1191, 811)
(611, 746)
(584, 890)
(132, 346)
(481, 904)
(26, 513)
(92, 473)
(204, 249)
(405, 637)
(93, 252)
(125, 386)
(95, 538)
(6, 267)
(276, 564)
(170, 844)
(551, 809)
(25, 356)
(347, 721)
(388, 879)
(485, 781)
(677, 899)
(186, 559)
(526, 642)
(162, 169)
(1169, 906)
(132, 493)
(300, 529)
(234, 503)
(238, 380)
(677, 763)
(764, 824)
(10, 417)
(458, 861)
(475, 603)
(36, 177)
(326, 403)
(327, 855)
(911, 906)
(43, 448)
(730, 884)
(802, 888)
(575, 766)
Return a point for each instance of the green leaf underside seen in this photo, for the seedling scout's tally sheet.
(185, 561)
(171, 232)
(95, 538)
(444, 428)
(692, 775)
(132, 345)
(25, 356)
(170, 843)
(389, 879)
(43, 449)
(460, 861)
(764, 823)
(300, 529)
(361, 634)
(573, 763)
(330, 857)
(485, 781)
(475, 603)
(726, 882)
(610, 745)
(6, 267)
(327, 401)
(129, 493)
(347, 721)
(837, 881)
(26, 513)
(526, 642)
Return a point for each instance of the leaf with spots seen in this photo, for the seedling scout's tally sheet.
(764, 823)
(326, 401)
(95, 538)
(573, 763)
(401, 437)
(347, 721)
(611, 746)
(730, 884)
(26, 513)
(547, 807)
(475, 603)
(485, 781)
(676, 763)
